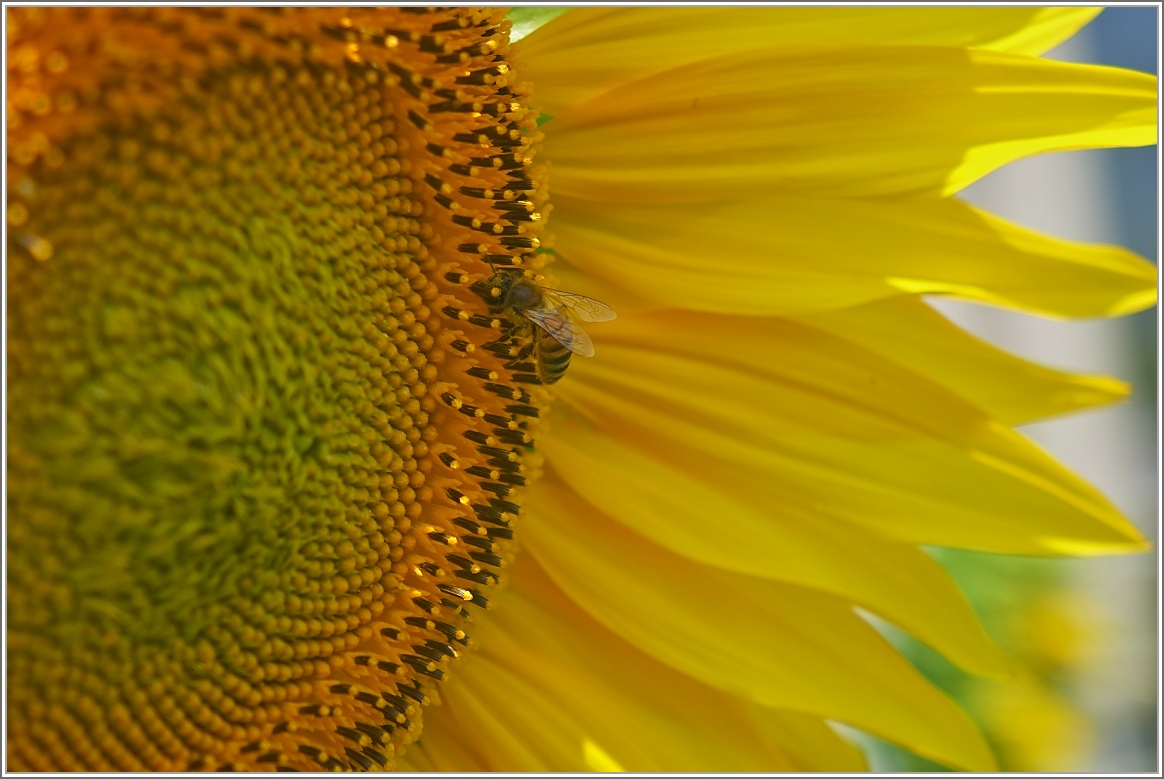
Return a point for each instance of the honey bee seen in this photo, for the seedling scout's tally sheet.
(541, 312)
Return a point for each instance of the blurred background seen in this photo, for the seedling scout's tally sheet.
(1084, 630)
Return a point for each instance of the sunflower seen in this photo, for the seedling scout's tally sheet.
(278, 430)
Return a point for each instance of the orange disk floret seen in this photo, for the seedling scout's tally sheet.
(265, 443)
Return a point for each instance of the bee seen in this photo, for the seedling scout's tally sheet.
(548, 316)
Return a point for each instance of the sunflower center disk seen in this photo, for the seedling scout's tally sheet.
(262, 435)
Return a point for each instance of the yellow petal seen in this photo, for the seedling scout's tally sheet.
(623, 44)
(578, 698)
(442, 746)
(807, 420)
(779, 645)
(1008, 388)
(670, 500)
(810, 742)
(1044, 30)
(840, 122)
(797, 254)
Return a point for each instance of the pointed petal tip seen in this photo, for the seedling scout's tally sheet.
(1135, 543)
(1137, 301)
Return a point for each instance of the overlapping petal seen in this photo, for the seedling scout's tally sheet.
(728, 539)
(684, 505)
(624, 44)
(793, 254)
(839, 122)
(557, 691)
(1010, 389)
(779, 645)
(803, 418)
(907, 331)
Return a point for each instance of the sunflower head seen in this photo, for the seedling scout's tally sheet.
(263, 463)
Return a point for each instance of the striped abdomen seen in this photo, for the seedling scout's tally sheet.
(552, 358)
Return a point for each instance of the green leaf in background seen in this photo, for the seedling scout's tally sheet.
(526, 19)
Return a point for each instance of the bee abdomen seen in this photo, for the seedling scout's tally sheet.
(553, 359)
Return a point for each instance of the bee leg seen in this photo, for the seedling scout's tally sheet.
(520, 361)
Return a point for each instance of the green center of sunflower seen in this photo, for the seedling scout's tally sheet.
(262, 435)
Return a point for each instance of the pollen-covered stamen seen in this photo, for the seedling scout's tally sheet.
(264, 442)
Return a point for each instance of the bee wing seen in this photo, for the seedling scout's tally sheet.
(556, 322)
(586, 309)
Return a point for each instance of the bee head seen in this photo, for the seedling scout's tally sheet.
(498, 289)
